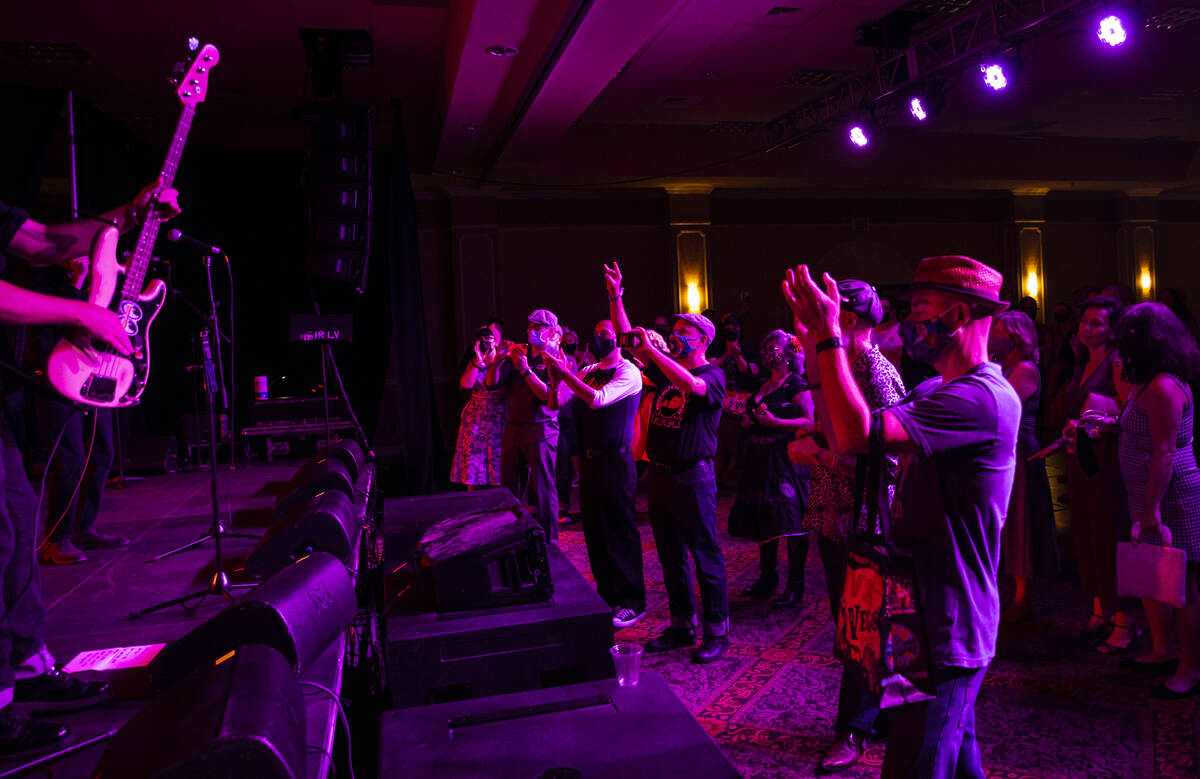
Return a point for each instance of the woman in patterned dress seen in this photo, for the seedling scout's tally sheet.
(481, 428)
(1029, 543)
(1159, 358)
(830, 511)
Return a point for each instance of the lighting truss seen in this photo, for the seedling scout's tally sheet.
(967, 35)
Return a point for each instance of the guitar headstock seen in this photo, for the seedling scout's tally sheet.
(191, 77)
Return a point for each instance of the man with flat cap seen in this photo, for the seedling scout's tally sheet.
(530, 445)
(681, 483)
(957, 434)
(830, 510)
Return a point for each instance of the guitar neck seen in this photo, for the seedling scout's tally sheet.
(135, 274)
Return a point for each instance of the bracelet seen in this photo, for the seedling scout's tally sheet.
(832, 343)
(615, 298)
(526, 372)
(478, 366)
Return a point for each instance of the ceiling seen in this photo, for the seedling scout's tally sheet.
(642, 92)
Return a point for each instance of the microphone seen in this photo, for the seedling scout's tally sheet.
(174, 236)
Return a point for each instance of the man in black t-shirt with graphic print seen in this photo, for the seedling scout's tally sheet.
(681, 484)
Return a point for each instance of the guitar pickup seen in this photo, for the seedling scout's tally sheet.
(100, 389)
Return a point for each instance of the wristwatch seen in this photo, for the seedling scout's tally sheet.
(832, 343)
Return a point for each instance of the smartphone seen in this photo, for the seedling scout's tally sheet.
(628, 340)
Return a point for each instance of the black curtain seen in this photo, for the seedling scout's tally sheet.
(30, 118)
(410, 394)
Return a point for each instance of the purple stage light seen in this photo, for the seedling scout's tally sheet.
(918, 109)
(993, 76)
(858, 136)
(1112, 31)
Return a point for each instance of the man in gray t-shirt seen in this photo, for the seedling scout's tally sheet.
(958, 434)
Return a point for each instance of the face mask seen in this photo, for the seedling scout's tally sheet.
(604, 346)
(1002, 347)
(681, 346)
(569, 348)
(773, 360)
(536, 339)
(1060, 316)
(925, 340)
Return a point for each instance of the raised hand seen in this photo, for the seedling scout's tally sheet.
(555, 362)
(816, 311)
(612, 279)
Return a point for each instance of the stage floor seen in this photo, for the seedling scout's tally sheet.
(88, 604)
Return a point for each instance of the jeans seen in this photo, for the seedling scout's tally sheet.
(606, 488)
(857, 709)
(527, 459)
(23, 623)
(683, 515)
(77, 510)
(936, 738)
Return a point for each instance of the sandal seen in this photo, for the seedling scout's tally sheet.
(1093, 631)
(1109, 648)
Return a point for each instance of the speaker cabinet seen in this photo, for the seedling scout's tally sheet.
(240, 716)
(321, 475)
(297, 612)
(493, 559)
(328, 524)
(350, 453)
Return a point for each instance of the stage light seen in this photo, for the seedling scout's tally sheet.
(1111, 30)
(858, 136)
(993, 75)
(927, 101)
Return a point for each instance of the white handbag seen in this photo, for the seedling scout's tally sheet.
(1152, 571)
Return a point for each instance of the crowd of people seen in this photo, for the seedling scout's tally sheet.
(967, 395)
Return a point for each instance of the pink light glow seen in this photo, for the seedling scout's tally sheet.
(918, 109)
(993, 76)
(1112, 31)
(858, 136)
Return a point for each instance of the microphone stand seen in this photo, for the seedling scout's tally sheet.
(212, 385)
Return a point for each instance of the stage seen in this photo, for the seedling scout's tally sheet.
(88, 604)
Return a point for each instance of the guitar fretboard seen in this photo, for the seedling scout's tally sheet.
(135, 273)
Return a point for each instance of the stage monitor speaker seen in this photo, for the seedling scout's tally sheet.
(484, 560)
(328, 524)
(240, 716)
(150, 455)
(323, 474)
(350, 452)
(298, 612)
(405, 520)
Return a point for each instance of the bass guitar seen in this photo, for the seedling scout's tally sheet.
(83, 369)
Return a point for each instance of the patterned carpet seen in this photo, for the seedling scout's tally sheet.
(1051, 706)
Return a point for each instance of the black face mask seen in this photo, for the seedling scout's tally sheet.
(1061, 316)
(604, 346)
(569, 348)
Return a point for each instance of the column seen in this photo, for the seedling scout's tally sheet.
(1029, 219)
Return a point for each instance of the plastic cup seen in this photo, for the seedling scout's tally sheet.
(628, 660)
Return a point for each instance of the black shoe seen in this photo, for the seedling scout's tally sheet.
(57, 690)
(763, 588)
(94, 539)
(846, 751)
(672, 638)
(710, 649)
(1159, 667)
(20, 735)
(791, 597)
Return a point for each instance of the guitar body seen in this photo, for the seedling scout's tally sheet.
(87, 372)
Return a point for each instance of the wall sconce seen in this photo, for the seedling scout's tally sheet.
(1033, 283)
(692, 298)
(1146, 283)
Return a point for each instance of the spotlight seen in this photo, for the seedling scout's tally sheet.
(858, 136)
(993, 75)
(927, 101)
(1111, 30)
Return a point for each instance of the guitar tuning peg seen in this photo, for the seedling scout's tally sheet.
(193, 44)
